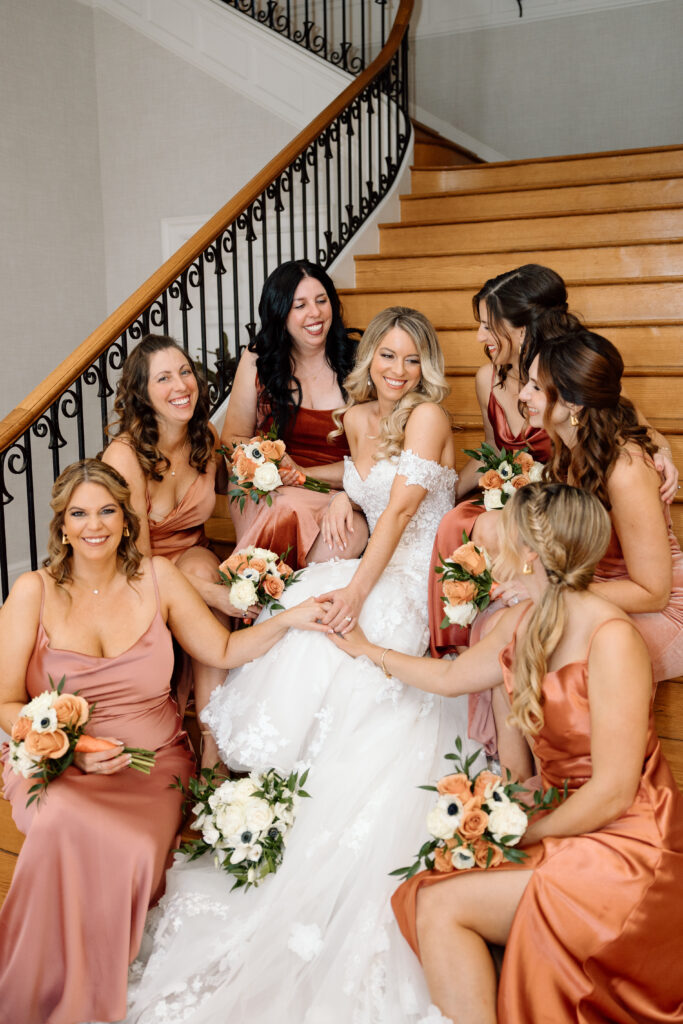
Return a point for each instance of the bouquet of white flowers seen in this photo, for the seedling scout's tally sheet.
(243, 822)
(253, 467)
(503, 473)
(475, 822)
(256, 576)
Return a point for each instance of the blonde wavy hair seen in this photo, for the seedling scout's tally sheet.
(59, 561)
(569, 529)
(432, 386)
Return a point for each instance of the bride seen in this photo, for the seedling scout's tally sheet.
(316, 943)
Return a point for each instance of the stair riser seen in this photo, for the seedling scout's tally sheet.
(631, 195)
(609, 303)
(497, 236)
(640, 346)
(599, 168)
(608, 263)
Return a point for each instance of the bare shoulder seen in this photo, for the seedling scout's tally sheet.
(428, 419)
(26, 595)
(357, 418)
(482, 382)
(121, 454)
(632, 468)
(245, 375)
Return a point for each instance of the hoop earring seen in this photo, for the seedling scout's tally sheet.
(574, 420)
(527, 569)
(65, 539)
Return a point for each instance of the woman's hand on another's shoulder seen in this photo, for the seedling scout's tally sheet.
(666, 468)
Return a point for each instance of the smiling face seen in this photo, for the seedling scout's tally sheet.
(502, 346)
(172, 386)
(310, 316)
(535, 399)
(395, 368)
(93, 522)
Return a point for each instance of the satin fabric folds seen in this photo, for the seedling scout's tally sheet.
(293, 519)
(597, 934)
(96, 846)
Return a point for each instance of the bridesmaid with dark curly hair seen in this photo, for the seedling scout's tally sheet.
(291, 376)
(165, 448)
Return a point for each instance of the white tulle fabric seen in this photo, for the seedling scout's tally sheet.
(317, 943)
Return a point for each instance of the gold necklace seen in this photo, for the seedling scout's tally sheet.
(182, 453)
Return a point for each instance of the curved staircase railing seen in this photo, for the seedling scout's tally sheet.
(307, 202)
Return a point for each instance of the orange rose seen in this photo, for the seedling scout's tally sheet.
(235, 563)
(271, 450)
(21, 729)
(47, 744)
(484, 783)
(519, 481)
(243, 466)
(273, 586)
(524, 461)
(458, 784)
(474, 821)
(71, 710)
(469, 558)
(284, 570)
(481, 851)
(442, 860)
(259, 564)
(459, 591)
(490, 479)
(279, 448)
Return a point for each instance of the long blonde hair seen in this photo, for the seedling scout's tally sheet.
(569, 529)
(431, 388)
(59, 562)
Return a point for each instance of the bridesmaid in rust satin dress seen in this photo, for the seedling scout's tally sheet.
(592, 918)
(97, 845)
(291, 376)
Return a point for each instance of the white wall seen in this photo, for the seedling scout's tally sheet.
(606, 79)
(52, 252)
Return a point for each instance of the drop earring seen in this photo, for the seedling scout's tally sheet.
(370, 382)
(574, 419)
(527, 569)
(65, 539)
(126, 532)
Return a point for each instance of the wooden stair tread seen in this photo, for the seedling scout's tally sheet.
(440, 194)
(567, 158)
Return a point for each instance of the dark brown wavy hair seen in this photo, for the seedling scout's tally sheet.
(59, 561)
(136, 417)
(585, 369)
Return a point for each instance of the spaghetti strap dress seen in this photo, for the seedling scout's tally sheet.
(463, 517)
(293, 519)
(96, 846)
(602, 916)
(183, 527)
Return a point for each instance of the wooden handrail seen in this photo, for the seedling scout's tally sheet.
(42, 397)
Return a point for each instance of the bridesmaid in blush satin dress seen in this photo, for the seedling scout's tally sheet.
(98, 843)
(591, 919)
(291, 377)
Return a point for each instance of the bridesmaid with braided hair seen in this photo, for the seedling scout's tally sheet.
(600, 893)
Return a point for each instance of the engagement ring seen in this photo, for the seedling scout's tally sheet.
(514, 600)
(348, 618)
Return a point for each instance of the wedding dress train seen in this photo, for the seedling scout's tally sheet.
(317, 943)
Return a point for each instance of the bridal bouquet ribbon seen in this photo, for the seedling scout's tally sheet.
(254, 470)
(256, 576)
(477, 821)
(466, 583)
(503, 473)
(50, 729)
(243, 822)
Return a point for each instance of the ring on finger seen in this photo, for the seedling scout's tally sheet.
(348, 618)
(514, 600)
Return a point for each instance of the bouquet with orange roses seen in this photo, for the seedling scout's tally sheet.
(50, 729)
(503, 473)
(467, 583)
(254, 470)
(256, 576)
(476, 821)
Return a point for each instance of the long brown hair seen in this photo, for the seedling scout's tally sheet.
(569, 529)
(585, 369)
(136, 417)
(59, 561)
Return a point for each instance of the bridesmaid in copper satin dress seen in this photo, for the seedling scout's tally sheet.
(591, 920)
(291, 375)
(514, 310)
(165, 447)
(98, 843)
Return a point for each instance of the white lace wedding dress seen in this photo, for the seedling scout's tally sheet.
(317, 943)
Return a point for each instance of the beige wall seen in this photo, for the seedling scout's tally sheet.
(52, 252)
(603, 80)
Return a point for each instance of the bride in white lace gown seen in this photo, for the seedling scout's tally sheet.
(316, 943)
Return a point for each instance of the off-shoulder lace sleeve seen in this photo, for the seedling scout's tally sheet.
(424, 472)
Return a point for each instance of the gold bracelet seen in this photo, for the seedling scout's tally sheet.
(381, 661)
(205, 732)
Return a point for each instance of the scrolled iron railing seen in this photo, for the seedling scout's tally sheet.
(309, 201)
(343, 32)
